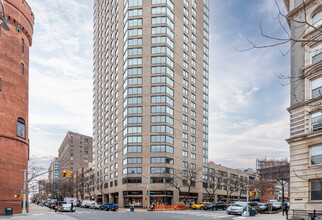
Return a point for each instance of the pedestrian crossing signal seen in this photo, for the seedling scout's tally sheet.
(252, 193)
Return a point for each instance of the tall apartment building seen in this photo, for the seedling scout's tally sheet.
(53, 171)
(74, 152)
(14, 97)
(150, 108)
(305, 107)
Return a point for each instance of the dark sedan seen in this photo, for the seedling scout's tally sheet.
(215, 206)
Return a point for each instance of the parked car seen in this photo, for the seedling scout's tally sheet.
(65, 207)
(97, 206)
(92, 205)
(263, 206)
(108, 206)
(236, 208)
(255, 206)
(78, 204)
(86, 203)
(198, 205)
(276, 206)
(215, 206)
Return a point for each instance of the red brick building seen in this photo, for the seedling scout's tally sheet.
(14, 93)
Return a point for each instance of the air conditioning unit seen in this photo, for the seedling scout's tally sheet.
(317, 127)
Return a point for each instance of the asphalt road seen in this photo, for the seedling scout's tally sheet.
(90, 214)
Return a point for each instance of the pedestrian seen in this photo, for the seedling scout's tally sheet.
(153, 207)
(285, 209)
(72, 207)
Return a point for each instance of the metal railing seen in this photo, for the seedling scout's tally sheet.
(306, 214)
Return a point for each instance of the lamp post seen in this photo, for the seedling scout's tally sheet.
(5, 22)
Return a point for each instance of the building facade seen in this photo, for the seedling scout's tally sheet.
(305, 106)
(74, 152)
(150, 101)
(274, 179)
(14, 95)
(53, 171)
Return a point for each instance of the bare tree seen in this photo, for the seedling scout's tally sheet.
(211, 183)
(183, 181)
(231, 184)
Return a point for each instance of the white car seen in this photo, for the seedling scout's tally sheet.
(65, 207)
(237, 208)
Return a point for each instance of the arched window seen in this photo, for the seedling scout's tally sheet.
(21, 131)
(317, 18)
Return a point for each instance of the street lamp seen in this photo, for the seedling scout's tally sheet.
(5, 22)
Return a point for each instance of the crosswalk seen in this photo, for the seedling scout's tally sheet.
(65, 213)
(205, 214)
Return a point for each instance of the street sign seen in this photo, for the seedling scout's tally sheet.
(25, 192)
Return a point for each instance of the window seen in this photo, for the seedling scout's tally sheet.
(132, 160)
(134, 61)
(317, 18)
(161, 139)
(132, 101)
(162, 30)
(162, 20)
(135, 32)
(162, 40)
(135, 22)
(133, 3)
(22, 45)
(161, 148)
(185, 153)
(135, 42)
(134, 51)
(161, 119)
(316, 87)
(132, 72)
(22, 68)
(132, 180)
(161, 170)
(161, 79)
(161, 109)
(184, 144)
(161, 89)
(161, 60)
(132, 170)
(132, 120)
(132, 149)
(21, 128)
(316, 189)
(132, 140)
(184, 164)
(162, 49)
(316, 121)
(161, 129)
(161, 160)
(316, 155)
(162, 10)
(161, 70)
(161, 99)
(316, 53)
(132, 130)
(135, 12)
(168, 2)
(132, 110)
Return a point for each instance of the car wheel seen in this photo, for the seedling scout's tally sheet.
(193, 208)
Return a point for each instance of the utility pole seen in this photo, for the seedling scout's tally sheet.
(24, 191)
(247, 212)
(148, 186)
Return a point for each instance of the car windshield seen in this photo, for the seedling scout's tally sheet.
(262, 204)
(240, 204)
(277, 203)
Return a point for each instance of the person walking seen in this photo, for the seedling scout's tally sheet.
(285, 209)
(72, 207)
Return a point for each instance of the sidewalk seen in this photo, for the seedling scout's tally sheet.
(277, 216)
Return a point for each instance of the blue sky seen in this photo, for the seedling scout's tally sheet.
(248, 117)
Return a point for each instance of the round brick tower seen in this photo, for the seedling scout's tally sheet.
(14, 95)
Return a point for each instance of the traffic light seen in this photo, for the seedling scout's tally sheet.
(19, 195)
(69, 174)
(252, 193)
(64, 173)
(147, 191)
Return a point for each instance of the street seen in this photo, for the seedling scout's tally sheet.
(37, 213)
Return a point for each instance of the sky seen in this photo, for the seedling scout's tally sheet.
(247, 111)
